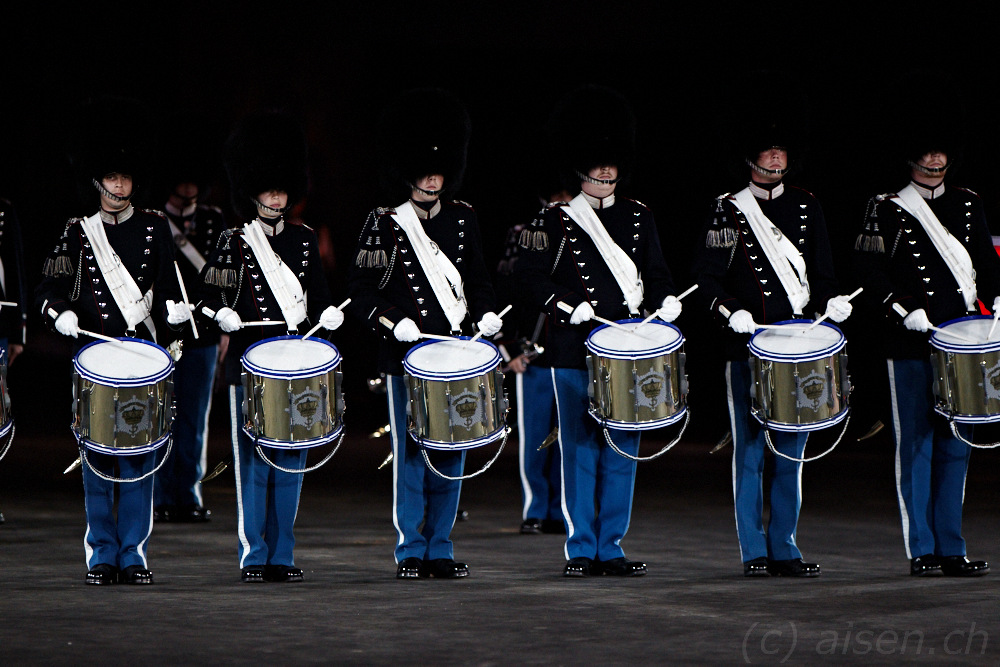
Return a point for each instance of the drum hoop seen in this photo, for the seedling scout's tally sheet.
(808, 427)
(325, 367)
(439, 376)
(610, 353)
(958, 346)
(639, 426)
(122, 451)
(91, 376)
(816, 355)
(461, 445)
(294, 444)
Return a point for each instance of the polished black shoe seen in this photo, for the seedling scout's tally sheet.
(581, 566)
(756, 568)
(252, 574)
(102, 575)
(282, 573)
(960, 566)
(163, 513)
(925, 565)
(190, 514)
(410, 568)
(792, 568)
(554, 526)
(621, 567)
(531, 527)
(445, 568)
(136, 575)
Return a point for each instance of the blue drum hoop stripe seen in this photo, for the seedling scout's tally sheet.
(123, 382)
(635, 354)
(985, 346)
(811, 356)
(465, 444)
(295, 444)
(291, 375)
(123, 451)
(422, 374)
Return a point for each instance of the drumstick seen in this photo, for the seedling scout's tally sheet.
(825, 315)
(679, 297)
(477, 336)
(7, 303)
(436, 337)
(996, 317)
(566, 308)
(902, 313)
(180, 281)
(53, 314)
(316, 328)
(262, 323)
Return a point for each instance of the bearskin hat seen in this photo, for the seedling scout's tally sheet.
(589, 127)
(939, 126)
(190, 150)
(422, 132)
(265, 151)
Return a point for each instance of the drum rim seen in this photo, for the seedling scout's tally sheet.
(290, 375)
(959, 346)
(766, 355)
(308, 443)
(102, 448)
(123, 382)
(804, 427)
(422, 374)
(635, 354)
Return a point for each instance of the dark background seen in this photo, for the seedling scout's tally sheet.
(336, 65)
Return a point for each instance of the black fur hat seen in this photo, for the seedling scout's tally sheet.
(266, 151)
(422, 132)
(938, 124)
(589, 127)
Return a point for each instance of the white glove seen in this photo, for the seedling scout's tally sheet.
(331, 318)
(582, 313)
(228, 319)
(670, 310)
(742, 322)
(490, 324)
(178, 312)
(996, 304)
(68, 324)
(838, 308)
(917, 320)
(406, 331)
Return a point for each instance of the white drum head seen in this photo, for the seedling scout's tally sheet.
(641, 341)
(973, 328)
(290, 357)
(793, 342)
(451, 360)
(127, 363)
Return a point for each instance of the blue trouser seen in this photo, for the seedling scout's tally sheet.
(749, 448)
(267, 499)
(931, 463)
(178, 482)
(118, 541)
(540, 470)
(420, 496)
(597, 482)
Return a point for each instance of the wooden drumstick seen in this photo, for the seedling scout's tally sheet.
(8, 303)
(316, 328)
(825, 315)
(180, 281)
(262, 323)
(436, 337)
(679, 297)
(996, 317)
(53, 314)
(902, 313)
(566, 308)
(480, 333)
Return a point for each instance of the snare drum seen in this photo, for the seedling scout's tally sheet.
(800, 379)
(456, 397)
(637, 380)
(122, 396)
(292, 397)
(967, 375)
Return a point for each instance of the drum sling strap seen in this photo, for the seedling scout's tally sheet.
(134, 305)
(186, 247)
(284, 285)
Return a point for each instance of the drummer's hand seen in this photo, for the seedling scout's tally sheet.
(917, 320)
(228, 319)
(742, 322)
(838, 308)
(331, 318)
(582, 313)
(406, 331)
(178, 312)
(68, 324)
(670, 310)
(996, 304)
(490, 324)
(519, 364)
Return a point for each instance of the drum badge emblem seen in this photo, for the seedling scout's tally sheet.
(306, 409)
(132, 417)
(992, 384)
(651, 389)
(464, 410)
(812, 391)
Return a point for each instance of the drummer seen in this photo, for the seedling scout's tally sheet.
(590, 257)
(398, 289)
(74, 295)
(927, 248)
(763, 257)
(265, 158)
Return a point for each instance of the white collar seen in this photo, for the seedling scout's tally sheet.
(764, 193)
(117, 218)
(927, 192)
(270, 230)
(181, 213)
(598, 202)
(426, 215)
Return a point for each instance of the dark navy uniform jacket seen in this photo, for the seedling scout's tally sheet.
(561, 263)
(73, 281)
(898, 263)
(13, 319)
(388, 285)
(733, 272)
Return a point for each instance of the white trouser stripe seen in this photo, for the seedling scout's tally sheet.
(562, 467)
(899, 469)
(395, 432)
(732, 428)
(528, 497)
(235, 436)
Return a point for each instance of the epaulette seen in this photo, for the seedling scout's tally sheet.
(223, 277)
(724, 195)
(533, 239)
(641, 204)
(153, 211)
(971, 192)
(554, 204)
(384, 210)
(462, 203)
(795, 187)
(60, 264)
